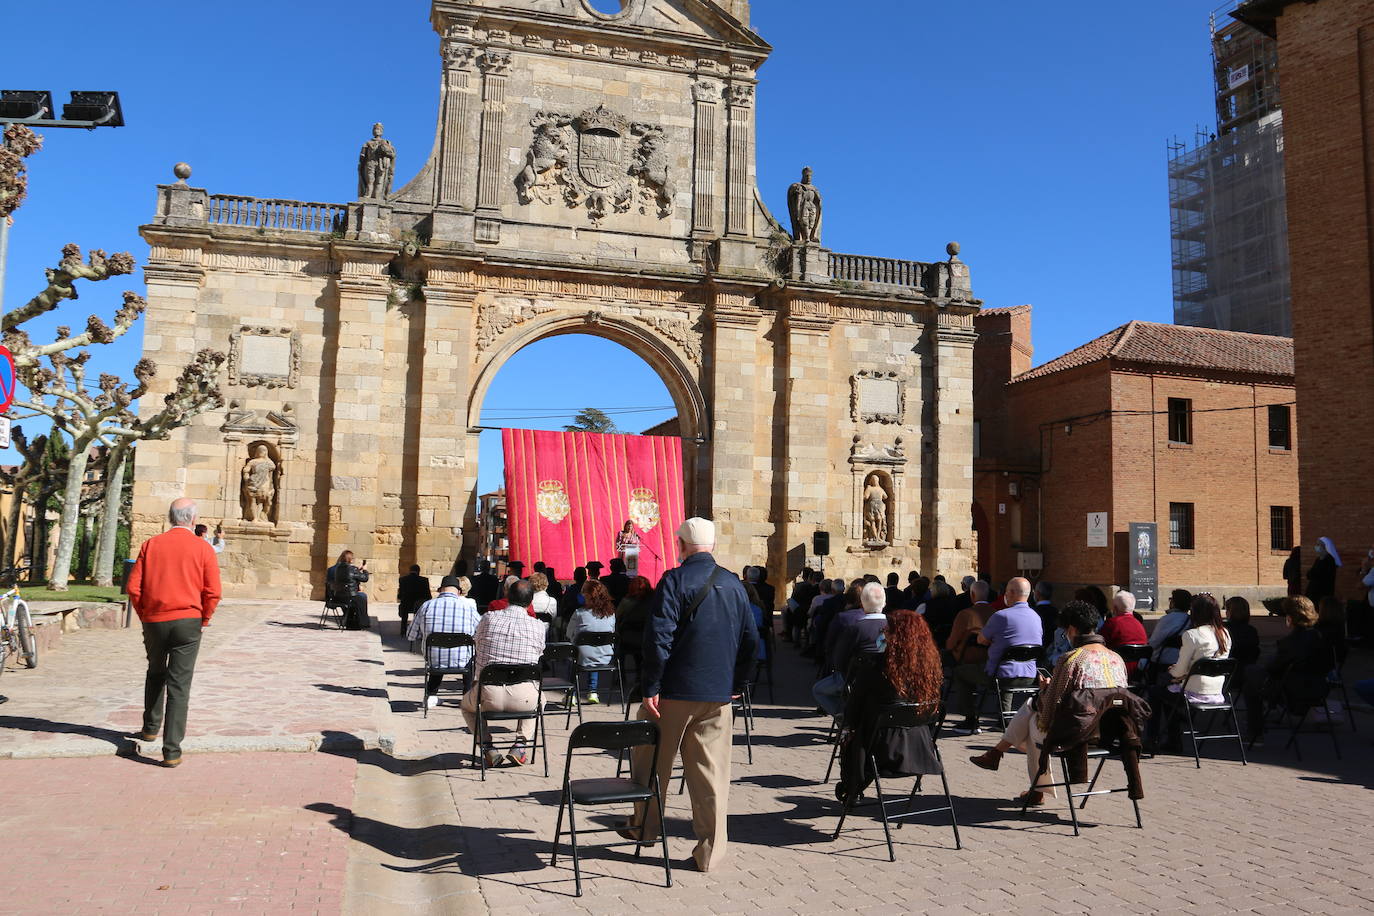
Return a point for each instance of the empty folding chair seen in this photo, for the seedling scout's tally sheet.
(565, 653)
(445, 641)
(610, 736)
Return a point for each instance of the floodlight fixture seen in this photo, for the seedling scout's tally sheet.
(25, 104)
(99, 107)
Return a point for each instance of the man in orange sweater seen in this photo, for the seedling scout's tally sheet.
(174, 587)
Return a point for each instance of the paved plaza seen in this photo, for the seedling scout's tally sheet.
(392, 818)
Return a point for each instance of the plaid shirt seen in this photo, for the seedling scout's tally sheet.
(508, 636)
(445, 613)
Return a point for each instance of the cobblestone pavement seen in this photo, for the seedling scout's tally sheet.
(266, 679)
(244, 832)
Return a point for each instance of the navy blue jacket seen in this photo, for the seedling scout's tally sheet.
(709, 659)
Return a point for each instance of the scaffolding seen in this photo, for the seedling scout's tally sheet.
(1227, 212)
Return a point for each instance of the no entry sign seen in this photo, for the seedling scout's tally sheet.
(6, 379)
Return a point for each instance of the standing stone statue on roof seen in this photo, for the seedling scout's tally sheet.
(376, 166)
(804, 205)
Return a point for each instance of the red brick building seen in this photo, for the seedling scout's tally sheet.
(1326, 55)
(1189, 428)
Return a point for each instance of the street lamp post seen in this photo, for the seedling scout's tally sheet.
(87, 110)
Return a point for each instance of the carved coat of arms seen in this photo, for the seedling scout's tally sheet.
(643, 508)
(599, 160)
(552, 501)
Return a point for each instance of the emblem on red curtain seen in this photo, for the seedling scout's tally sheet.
(643, 508)
(552, 501)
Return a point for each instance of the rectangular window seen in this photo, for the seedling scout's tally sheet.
(1181, 420)
(1181, 526)
(1280, 427)
(1281, 527)
(977, 439)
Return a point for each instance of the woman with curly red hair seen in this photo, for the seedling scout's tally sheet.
(909, 671)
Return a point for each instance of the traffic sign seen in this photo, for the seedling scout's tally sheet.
(6, 379)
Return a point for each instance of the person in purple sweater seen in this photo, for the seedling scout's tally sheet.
(1017, 624)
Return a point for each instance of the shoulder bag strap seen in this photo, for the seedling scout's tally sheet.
(701, 595)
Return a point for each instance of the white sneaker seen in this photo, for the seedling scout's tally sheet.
(432, 700)
(593, 699)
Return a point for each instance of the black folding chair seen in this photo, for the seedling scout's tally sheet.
(744, 706)
(1224, 668)
(1018, 695)
(900, 715)
(612, 667)
(445, 641)
(610, 736)
(1301, 709)
(566, 653)
(765, 664)
(500, 675)
(1102, 754)
(1136, 652)
(332, 611)
(1337, 681)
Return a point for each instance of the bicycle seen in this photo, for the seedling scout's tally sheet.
(16, 626)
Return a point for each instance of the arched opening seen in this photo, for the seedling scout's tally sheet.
(550, 374)
(607, 8)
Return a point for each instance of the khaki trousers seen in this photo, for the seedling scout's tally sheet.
(1023, 731)
(704, 733)
(516, 698)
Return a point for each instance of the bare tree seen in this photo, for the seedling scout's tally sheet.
(18, 144)
(195, 393)
(37, 463)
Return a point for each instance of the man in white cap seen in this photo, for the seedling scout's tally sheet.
(699, 648)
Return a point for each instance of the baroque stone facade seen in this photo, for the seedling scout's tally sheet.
(591, 173)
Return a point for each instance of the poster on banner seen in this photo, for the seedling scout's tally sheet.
(1144, 565)
(1097, 529)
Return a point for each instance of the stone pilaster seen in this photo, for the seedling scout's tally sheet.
(947, 541)
(807, 484)
(455, 190)
(495, 67)
(739, 504)
(739, 180)
(356, 447)
(706, 94)
(443, 473)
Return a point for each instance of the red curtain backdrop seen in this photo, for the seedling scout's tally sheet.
(568, 494)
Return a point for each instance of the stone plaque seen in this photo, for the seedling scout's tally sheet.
(270, 357)
(877, 397)
(267, 357)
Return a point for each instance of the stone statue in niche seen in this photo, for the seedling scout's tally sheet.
(376, 166)
(259, 486)
(804, 205)
(875, 511)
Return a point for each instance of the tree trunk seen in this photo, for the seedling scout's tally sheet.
(110, 513)
(10, 556)
(71, 511)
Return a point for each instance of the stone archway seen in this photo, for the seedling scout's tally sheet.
(670, 360)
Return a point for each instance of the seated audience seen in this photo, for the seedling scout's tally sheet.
(412, 590)
(829, 690)
(450, 611)
(1123, 628)
(631, 617)
(507, 636)
(342, 583)
(908, 672)
(969, 657)
(1049, 614)
(543, 606)
(1245, 641)
(1090, 664)
(940, 611)
(756, 606)
(1297, 673)
(617, 582)
(1205, 637)
(1174, 622)
(597, 615)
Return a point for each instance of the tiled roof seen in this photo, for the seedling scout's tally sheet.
(1177, 346)
(1006, 310)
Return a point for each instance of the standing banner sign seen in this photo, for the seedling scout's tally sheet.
(1144, 549)
(569, 493)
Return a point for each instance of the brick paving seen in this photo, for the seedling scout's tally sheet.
(223, 833)
(422, 834)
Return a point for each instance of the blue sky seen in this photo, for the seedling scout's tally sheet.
(1034, 134)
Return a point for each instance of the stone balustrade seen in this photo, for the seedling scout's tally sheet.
(858, 268)
(280, 215)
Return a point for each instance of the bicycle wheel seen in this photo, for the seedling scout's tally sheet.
(28, 640)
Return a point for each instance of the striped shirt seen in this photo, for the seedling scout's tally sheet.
(446, 612)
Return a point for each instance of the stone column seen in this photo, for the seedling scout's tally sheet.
(495, 67)
(443, 475)
(455, 187)
(706, 93)
(948, 493)
(739, 504)
(807, 483)
(357, 446)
